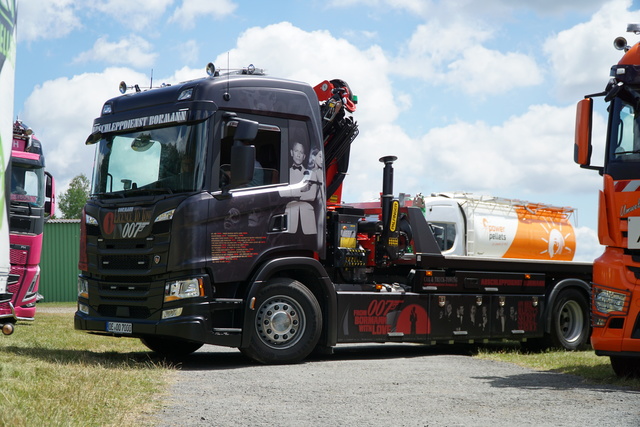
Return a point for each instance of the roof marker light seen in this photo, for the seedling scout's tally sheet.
(185, 94)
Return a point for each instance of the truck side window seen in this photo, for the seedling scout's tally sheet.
(267, 164)
(445, 234)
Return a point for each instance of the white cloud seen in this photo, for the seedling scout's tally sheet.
(433, 54)
(472, 9)
(588, 247)
(134, 14)
(189, 51)
(582, 56)
(61, 113)
(186, 14)
(532, 152)
(185, 74)
(134, 51)
(318, 56)
(49, 19)
(481, 71)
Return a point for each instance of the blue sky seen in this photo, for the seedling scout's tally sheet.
(475, 96)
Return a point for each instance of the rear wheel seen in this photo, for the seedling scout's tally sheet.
(570, 320)
(170, 347)
(626, 367)
(286, 324)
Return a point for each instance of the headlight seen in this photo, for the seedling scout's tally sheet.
(165, 216)
(186, 288)
(83, 308)
(609, 301)
(83, 288)
(88, 219)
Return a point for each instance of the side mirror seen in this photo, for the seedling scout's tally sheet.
(582, 147)
(50, 195)
(246, 131)
(242, 164)
(243, 155)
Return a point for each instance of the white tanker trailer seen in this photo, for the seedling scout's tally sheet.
(472, 225)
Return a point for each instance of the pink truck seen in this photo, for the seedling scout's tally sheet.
(32, 202)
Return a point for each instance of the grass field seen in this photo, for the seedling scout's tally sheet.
(586, 364)
(51, 374)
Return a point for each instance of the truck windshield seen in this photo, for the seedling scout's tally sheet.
(27, 184)
(162, 160)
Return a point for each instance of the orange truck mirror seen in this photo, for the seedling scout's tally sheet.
(582, 147)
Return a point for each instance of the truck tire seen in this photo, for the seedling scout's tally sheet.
(626, 367)
(286, 323)
(170, 347)
(570, 321)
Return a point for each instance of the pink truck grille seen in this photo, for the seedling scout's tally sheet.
(18, 256)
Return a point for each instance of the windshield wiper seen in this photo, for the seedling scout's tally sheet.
(617, 153)
(134, 191)
(108, 195)
(163, 190)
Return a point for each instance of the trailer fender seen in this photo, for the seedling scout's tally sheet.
(556, 290)
(309, 272)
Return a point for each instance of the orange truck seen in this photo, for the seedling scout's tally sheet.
(615, 292)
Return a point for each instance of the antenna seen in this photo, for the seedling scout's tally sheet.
(227, 95)
(151, 83)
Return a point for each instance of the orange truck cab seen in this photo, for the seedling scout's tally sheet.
(615, 294)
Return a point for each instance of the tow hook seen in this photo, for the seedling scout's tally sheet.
(7, 328)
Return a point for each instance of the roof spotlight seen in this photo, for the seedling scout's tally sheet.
(620, 43)
(251, 69)
(211, 69)
(123, 87)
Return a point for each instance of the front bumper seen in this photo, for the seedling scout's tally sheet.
(195, 324)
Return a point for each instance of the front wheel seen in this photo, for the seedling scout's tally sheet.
(570, 320)
(626, 367)
(170, 347)
(286, 324)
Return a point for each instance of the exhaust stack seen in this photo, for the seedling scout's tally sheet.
(388, 246)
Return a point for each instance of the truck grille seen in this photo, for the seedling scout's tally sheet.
(18, 256)
(124, 287)
(125, 262)
(133, 311)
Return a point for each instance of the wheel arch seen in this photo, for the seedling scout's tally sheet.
(568, 283)
(312, 275)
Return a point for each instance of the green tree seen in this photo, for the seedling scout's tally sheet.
(72, 201)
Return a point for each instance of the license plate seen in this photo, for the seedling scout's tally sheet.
(119, 327)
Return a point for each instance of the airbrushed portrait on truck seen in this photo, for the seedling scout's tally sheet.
(216, 217)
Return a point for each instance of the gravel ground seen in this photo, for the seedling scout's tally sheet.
(387, 385)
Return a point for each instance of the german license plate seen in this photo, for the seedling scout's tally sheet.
(119, 327)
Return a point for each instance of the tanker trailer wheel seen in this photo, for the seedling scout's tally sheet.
(286, 323)
(570, 322)
(626, 367)
(170, 347)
